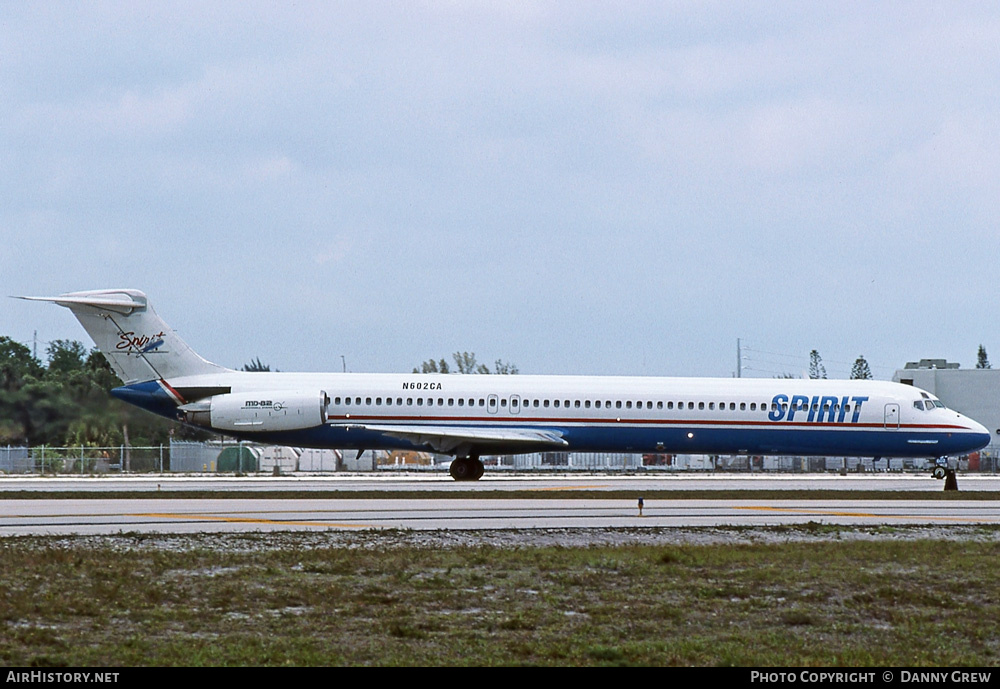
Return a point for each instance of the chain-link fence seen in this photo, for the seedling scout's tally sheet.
(84, 460)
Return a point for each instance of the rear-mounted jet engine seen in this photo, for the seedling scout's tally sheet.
(269, 410)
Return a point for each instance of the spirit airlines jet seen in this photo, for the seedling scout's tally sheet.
(471, 415)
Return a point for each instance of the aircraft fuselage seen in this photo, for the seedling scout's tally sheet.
(595, 414)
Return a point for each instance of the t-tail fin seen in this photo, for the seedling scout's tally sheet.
(135, 341)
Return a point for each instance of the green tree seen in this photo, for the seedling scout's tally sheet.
(16, 363)
(432, 366)
(74, 403)
(981, 360)
(256, 366)
(94, 428)
(816, 367)
(68, 402)
(505, 368)
(466, 362)
(860, 370)
(18, 370)
(66, 357)
(99, 371)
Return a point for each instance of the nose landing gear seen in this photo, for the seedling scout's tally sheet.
(942, 470)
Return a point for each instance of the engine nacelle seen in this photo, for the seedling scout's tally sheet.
(258, 411)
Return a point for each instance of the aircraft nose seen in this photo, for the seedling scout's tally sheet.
(978, 432)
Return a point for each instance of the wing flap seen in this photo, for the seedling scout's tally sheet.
(449, 439)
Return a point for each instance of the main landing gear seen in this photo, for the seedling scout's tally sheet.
(466, 468)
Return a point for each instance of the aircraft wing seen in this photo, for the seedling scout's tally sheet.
(449, 439)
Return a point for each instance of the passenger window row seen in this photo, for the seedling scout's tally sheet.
(562, 404)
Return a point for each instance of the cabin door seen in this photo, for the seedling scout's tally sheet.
(892, 416)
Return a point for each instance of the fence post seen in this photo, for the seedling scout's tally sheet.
(161, 458)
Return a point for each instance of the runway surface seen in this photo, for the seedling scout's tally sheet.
(216, 515)
(198, 516)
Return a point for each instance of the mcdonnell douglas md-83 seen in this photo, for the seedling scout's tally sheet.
(468, 416)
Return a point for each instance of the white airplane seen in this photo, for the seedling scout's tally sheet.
(471, 415)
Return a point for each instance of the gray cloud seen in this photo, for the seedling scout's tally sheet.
(575, 187)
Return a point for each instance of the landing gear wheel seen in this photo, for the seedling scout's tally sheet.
(939, 472)
(466, 469)
(459, 469)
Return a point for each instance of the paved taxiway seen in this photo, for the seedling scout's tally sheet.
(203, 516)
(214, 515)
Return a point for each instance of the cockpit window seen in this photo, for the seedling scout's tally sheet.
(919, 404)
(939, 404)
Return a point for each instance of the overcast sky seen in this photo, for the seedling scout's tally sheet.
(598, 188)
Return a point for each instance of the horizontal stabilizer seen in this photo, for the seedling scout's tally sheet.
(120, 302)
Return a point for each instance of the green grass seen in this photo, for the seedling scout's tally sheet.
(267, 600)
